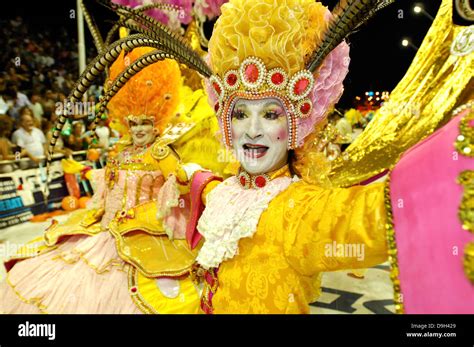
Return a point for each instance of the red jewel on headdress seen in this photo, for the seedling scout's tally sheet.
(133, 290)
(260, 181)
(217, 88)
(301, 86)
(277, 78)
(305, 108)
(216, 107)
(243, 181)
(231, 79)
(251, 73)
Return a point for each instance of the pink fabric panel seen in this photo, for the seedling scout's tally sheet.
(430, 240)
(200, 180)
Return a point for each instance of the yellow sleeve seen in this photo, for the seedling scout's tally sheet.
(328, 230)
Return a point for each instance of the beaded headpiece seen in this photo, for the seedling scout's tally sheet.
(255, 56)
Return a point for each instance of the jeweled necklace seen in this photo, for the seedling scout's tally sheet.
(249, 181)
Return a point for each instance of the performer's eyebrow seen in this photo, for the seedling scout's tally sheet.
(274, 105)
(240, 106)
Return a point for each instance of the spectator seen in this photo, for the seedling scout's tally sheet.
(48, 130)
(6, 147)
(17, 100)
(4, 106)
(8, 150)
(103, 134)
(37, 108)
(27, 111)
(49, 102)
(30, 139)
(76, 140)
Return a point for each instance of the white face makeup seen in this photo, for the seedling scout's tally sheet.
(143, 132)
(260, 134)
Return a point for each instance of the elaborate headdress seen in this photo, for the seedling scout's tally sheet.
(263, 48)
(153, 93)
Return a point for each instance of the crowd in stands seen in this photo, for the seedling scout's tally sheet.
(38, 68)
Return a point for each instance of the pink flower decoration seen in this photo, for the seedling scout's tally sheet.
(209, 8)
(184, 16)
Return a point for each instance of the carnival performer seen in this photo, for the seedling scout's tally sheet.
(267, 233)
(274, 70)
(84, 266)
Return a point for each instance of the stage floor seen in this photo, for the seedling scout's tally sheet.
(341, 292)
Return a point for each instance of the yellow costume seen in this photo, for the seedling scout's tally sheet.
(119, 247)
(305, 230)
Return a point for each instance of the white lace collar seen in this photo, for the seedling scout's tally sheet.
(231, 214)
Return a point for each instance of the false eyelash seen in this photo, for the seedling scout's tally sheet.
(237, 113)
(273, 113)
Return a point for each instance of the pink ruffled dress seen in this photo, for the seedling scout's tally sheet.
(81, 273)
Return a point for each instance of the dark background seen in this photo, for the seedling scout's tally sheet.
(378, 59)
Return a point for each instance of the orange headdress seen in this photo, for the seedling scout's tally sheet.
(153, 93)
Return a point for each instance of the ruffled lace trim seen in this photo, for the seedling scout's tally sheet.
(232, 213)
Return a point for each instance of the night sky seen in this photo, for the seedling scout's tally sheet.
(378, 59)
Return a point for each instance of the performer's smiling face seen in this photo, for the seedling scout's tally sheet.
(143, 132)
(260, 134)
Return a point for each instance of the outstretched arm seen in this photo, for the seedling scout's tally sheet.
(334, 229)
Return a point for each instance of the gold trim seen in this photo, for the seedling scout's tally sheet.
(159, 150)
(464, 142)
(50, 243)
(468, 261)
(107, 266)
(465, 212)
(392, 251)
(137, 298)
(466, 180)
(33, 301)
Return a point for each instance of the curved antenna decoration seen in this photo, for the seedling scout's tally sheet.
(144, 8)
(348, 16)
(172, 42)
(98, 41)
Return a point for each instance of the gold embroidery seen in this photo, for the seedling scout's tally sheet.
(465, 146)
(392, 251)
(160, 151)
(464, 142)
(136, 296)
(469, 261)
(466, 209)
